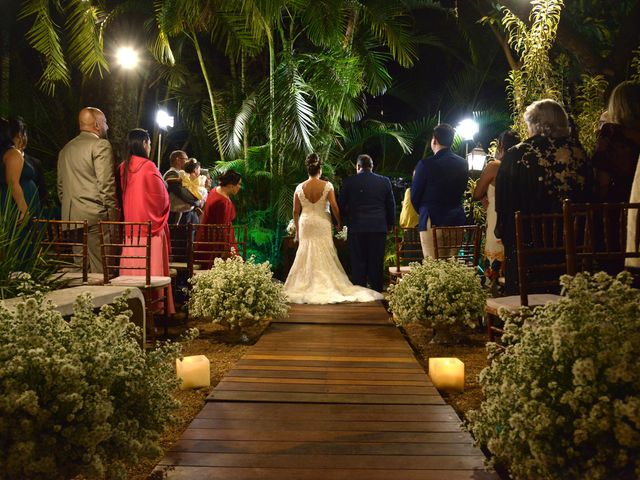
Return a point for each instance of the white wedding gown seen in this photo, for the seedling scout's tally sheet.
(316, 275)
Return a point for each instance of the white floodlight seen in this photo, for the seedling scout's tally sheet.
(467, 129)
(127, 58)
(164, 120)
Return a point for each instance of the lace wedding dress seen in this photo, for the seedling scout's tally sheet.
(316, 275)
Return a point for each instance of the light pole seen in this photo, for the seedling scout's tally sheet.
(164, 121)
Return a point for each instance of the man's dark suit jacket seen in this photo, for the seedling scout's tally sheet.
(437, 189)
(366, 201)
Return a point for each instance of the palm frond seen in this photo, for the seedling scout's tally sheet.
(243, 116)
(44, 37)
(84, 39)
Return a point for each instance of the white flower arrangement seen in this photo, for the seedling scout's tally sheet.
(342, 234)
(438, 293)
(79, 397)
(291, 228)
(563, 400)
(237, 294)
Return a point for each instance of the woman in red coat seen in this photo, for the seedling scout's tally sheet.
(144, 198)
(219, 210)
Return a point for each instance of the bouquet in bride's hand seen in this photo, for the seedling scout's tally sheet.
(342, 234)
(291, 228)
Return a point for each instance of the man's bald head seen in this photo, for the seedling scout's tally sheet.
(93, 120)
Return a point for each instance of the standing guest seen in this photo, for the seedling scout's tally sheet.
(485, 191)
(368, 208)
(219, 209)
(183, 203)
(86, 179)
(536, 176)
(144, 198)
(438, 187)
(17, 175)
(618, 144)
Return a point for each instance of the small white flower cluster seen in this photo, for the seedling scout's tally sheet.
(79, 398)
(342, 234)
(291, 228)
(438, 293)
(237, 294)
(563, 400)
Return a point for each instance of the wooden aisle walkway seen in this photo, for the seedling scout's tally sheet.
(320, 397)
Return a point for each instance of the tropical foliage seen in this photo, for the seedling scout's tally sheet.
(559, 405)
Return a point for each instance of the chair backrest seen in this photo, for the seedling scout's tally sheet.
(181, 242)
(408, 246)
(540, 253)
(461, 242)
(65, 243)
(126, 249)
(212, 241)
(596, 236)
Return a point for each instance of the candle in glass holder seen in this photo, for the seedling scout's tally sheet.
(447, 374)
(193, 371)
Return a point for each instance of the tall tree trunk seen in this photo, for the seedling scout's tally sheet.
(243, 86)
(214, 113)
(272, 92)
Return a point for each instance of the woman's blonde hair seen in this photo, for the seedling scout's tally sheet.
(547, 118)
(624, 104)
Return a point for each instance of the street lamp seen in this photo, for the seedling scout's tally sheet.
(476, 159)
(127, 58)
(164, 121)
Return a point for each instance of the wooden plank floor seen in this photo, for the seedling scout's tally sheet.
(346, 313)
(326, 400)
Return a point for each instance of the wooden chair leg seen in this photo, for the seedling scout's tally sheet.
(151, 324)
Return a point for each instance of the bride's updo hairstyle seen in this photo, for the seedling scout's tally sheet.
(313, 164)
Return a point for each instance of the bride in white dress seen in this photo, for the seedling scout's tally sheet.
(317, 275)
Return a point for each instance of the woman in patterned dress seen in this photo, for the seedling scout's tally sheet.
(537, 175)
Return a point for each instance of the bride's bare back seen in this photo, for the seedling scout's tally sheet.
(313, 189)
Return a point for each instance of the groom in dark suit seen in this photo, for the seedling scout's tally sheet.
(368, 208)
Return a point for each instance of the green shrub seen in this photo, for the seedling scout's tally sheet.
(563, 400)
(237, 294)
(438, 293)
(79, 397)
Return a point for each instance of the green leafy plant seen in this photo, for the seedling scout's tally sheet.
(237, 294)
(438, 293)
(79, 397)
(18, 262)
(563, 400)
(589, 106)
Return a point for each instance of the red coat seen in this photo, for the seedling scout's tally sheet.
(145, 195)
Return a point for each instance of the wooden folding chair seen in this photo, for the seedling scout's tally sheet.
(212, 241)
(461, 242)
(64, 243)
(408, 250)
(541, 260)
(596, 236)
(126, 261)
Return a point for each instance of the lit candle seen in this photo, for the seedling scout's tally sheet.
(447, 374)
(193, 371)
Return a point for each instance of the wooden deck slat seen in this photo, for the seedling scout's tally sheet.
(326, 436)
(324, 448)
(334, 392)
(255, 460)
(209, 473)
